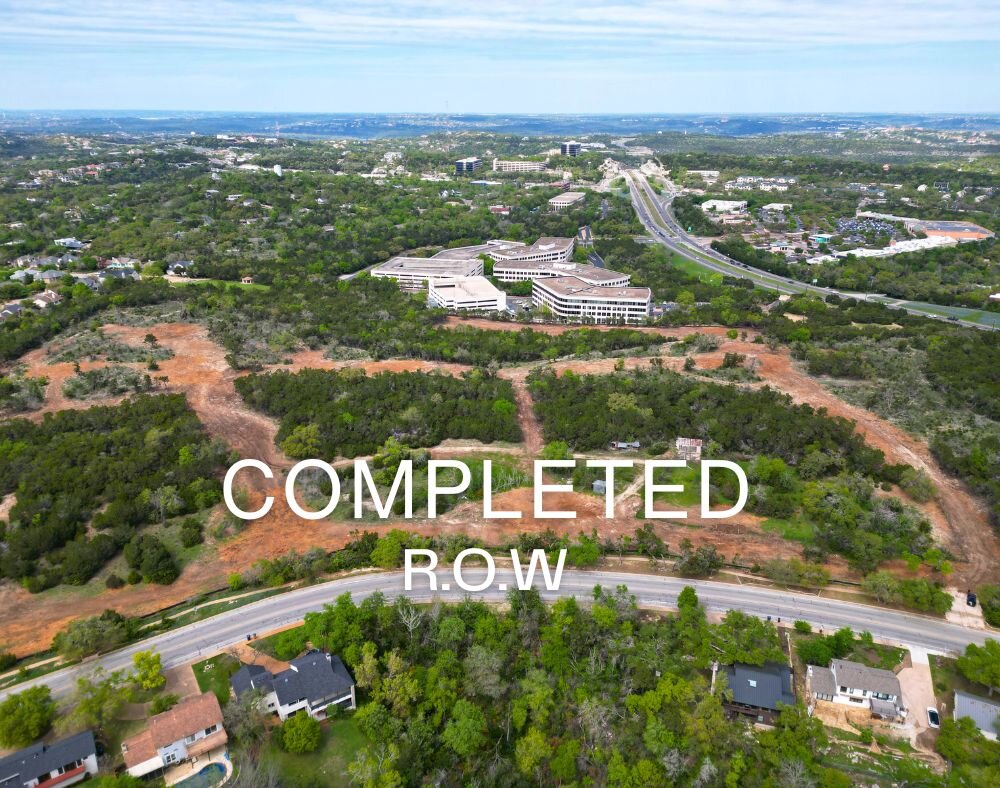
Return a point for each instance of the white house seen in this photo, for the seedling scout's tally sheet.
(312, 683)
(854, 684)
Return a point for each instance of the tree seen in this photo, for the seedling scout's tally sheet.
(556, 450)
(300, 734)
(244, 720)
(982, 664)
(148, 670)
(465, 733)
(98, 699)
(531, 751)
(26, 716)
(87, 636)
(148, 555)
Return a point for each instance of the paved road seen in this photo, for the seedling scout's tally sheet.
(662, 225)
(203, 638)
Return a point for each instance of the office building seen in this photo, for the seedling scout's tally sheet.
(502, 165)
(475, 293)
(572, 298)
(544, 250)
(570, 149)
(413, 273)
(469, 164)
(563, 201)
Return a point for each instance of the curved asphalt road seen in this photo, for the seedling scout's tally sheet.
(204, 638)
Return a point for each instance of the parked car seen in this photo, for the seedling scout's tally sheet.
(970, 599)
(933, 718)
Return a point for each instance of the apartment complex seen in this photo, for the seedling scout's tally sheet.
(571, 148)
(513, 165)
(563, 201)
(468, 164)
(572, 298)
(64, 762)
(475, 293)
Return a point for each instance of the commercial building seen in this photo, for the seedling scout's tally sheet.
(901, 247)
(524, 270)
(960, 231)
(574, 299)
(189, 730)
(312, 683)
(545, 250)
(469, 164)
(570, 148)
(64, 762)
(413, 273)
(505, 165)
(724, 206)
(475, 293)
(854, 684)
(562, 201)
(985, 713)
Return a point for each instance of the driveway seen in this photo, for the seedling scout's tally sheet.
(918, 694)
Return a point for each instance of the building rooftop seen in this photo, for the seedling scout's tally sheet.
(316, 677)
(24, 765)
(762, 687)
(475, 287)
(985, 713)
(432, 266)
(574, 286)
(590, 273)
(858, 676)
(186, 718)
(950, 225)
(567, 198)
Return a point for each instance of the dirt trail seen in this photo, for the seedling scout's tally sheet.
(199, 369)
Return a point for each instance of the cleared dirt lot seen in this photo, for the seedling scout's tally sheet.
(199, 370)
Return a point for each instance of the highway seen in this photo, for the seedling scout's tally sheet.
(656, 217)
(204, 638)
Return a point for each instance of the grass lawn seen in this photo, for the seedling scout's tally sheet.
(213, 675)
(240, 285)
(690, 496)
(328, 765)
(793, 530)
(692, 268)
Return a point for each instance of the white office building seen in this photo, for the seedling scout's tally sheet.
(544, 250)
(513, 165)
(469, 164)
(563, 201)
(474, 293)
(724, 206)
(572, 298)
(571, 148)
(413, 273)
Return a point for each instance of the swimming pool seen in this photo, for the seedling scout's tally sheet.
(208, 777)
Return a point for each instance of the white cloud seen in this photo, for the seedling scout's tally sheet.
(623, 28)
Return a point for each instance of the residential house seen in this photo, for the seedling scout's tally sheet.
(312, 683)
(688, 448)
(117, 273)
(69, 243)
(852, 683)
(985, 713)
(12, 309)
(45, 299)
(65, 762)
(180, 268)
(189, 730)
(758, 690)
(49, 276)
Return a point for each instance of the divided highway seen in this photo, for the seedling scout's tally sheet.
(656, 217)
(204, 638)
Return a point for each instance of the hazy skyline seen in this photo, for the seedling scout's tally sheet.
(539, 56)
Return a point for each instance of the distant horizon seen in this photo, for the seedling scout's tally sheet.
(130, 111)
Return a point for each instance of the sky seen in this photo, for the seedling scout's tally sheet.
(530, 56)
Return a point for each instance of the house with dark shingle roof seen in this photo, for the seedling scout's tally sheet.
(190, 729)
(985, 713)
(312, 683)
(758, 690)
(65, 762)
(855, 684)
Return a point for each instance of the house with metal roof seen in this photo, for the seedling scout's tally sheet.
(65, 762)
(985, 713)
(854, 684)
(312, 683)
(758, 690)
